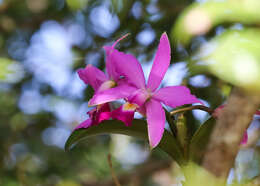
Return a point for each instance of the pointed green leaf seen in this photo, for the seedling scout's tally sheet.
(138, 129)
(200, 140)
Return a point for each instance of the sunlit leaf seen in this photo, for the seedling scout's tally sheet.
(67, 183)
(200, 140)
(234, 57)
(199, 18)
(138, 129)
(77, 4)
(4, 63)
(195, 176)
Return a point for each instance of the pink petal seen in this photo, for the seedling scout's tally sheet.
(124, 114)
(126, 65)
(93, 76)
(245, 139)
(217, 111)
(257, 112)
(175, 96)
(104, 108)
(156, 121)
(142, 110)
(139, 97)
(112, 94)
(104, 116)
(110, 66)
(160, 64)
(100, 113)
(85, 124)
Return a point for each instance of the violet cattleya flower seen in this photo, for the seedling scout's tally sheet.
(147, 99)
(96, 116)
(102, 82)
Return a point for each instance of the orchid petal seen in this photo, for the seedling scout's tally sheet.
(257, 112)
(175, 96)
(111, 70)
(244, 139)
(216, 112)
(104, 116)
(99, 113)
(93, 76)
(139, 97)
(156, 121)
(85, 124)
(103, 113)
(112, 94)
(142, 110)
(124, 114)
(110, 66)
(126, 65)
(160, 64)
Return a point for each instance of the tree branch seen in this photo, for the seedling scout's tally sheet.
(224, 143)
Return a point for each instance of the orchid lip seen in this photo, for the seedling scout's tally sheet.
(130, 106)
(107, 84)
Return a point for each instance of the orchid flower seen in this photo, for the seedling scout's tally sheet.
(96, 116)
(148, 98)
(112, 82)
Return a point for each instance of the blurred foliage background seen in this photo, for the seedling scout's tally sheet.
(44, 42)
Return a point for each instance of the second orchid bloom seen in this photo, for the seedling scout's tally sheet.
(125, 80)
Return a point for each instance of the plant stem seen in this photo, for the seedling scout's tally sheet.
(112, 170)
(200, 107)
(225, 139)
(170, 120)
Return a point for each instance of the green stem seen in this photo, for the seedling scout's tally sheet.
(200, 107)
(170, 120)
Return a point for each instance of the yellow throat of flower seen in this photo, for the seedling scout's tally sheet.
(107, 85)
(130, 106)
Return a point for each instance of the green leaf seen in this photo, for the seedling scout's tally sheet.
(200, 140)
(234, 57)
(4, 63)
(138, 129)
(199, 18)
(77, 4)
(196, 175)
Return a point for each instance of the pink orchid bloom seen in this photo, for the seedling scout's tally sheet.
(147, 97)
(110, 83)
(106, 84)
(96, 116)
(118, 64)
(125, 113)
